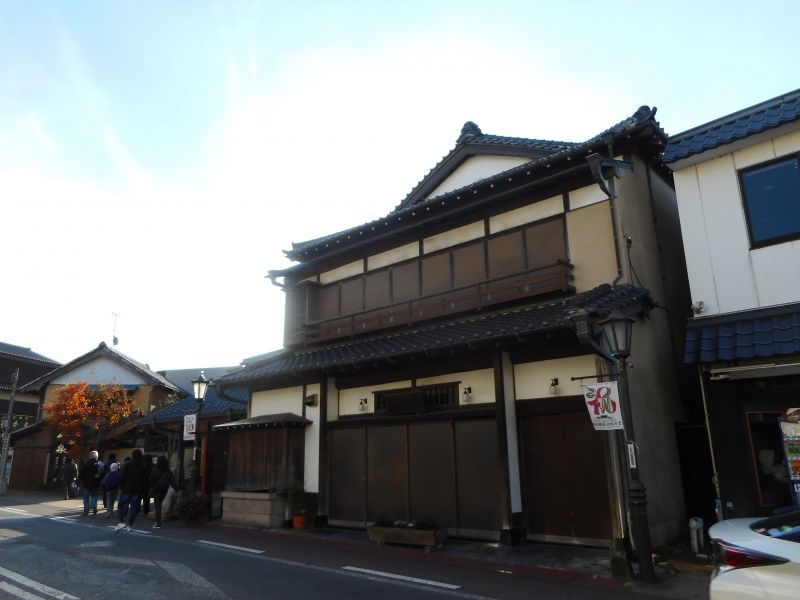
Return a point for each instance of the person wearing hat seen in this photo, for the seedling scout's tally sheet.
(90, 482)
(111, 487)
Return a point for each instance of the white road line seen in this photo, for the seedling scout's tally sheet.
(18, 511)
(229, 547)
(35, 585)
(448, 586)
(62, 519)
(18, 592)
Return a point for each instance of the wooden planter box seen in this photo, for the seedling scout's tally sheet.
(429, 538)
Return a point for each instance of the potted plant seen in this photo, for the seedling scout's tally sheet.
(299, 511)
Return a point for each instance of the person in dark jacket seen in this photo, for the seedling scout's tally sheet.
(131, 488)
(147, 461)
(160, 479)
(90, 475)
(69, 474)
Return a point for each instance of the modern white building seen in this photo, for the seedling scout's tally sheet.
(737, 181)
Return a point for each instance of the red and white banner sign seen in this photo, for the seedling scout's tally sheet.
(602, 402)
(189, 422)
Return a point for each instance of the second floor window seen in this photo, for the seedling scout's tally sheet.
(771, 195)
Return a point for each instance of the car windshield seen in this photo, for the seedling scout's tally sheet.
(784, 526)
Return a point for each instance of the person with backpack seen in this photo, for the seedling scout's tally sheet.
(112, 458)
(132, 485)
(90, 476)
(161, 478)
(111, 487)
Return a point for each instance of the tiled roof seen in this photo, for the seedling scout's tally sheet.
(262, 421)
(112, 353)
(404, 215)
(739, 125)
(745, 337)
(214, 405)
(463, 333)
(13, 351)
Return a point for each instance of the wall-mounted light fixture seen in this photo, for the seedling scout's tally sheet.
(310, 400)
(362, 405)
(467, 394)
(553, 385)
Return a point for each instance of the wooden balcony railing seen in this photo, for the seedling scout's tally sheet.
(537, 282)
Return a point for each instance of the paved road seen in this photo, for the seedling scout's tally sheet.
(49, 552)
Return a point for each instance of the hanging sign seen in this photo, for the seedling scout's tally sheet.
(602, 402)
(188, 426)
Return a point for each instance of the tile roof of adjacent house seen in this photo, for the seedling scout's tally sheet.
(17, 352)
(739, 125)
(233, 403)
(410, 211)
(264, 421)
(756, 334)
(103, 350)
(466, 332)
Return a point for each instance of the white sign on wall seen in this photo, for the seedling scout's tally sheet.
(189, 422)
(602, 402)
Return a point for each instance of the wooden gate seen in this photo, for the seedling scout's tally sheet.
(446, 470)
(564, 483)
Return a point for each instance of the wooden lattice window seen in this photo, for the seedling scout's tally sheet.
(417, 399)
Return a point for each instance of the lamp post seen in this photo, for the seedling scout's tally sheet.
(617, 331)
(200, 388)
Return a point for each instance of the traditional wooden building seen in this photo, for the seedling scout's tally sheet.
(435, 355)
(27, 407)
(102, 365)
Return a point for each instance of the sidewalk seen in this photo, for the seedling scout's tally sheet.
(680, 574)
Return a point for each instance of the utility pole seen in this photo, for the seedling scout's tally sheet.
(7, 433)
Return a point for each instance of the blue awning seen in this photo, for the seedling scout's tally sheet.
(755, 337)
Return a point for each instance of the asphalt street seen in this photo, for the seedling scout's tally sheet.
(48, 550)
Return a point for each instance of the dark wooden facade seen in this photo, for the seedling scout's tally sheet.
(265, 459)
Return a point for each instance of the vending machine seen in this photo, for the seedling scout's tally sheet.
(790, 436)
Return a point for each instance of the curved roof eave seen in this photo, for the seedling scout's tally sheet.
(354, 236)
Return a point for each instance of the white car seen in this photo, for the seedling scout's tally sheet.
(757, 558)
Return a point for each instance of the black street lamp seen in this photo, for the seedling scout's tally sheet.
(200, 388)
(617, 331)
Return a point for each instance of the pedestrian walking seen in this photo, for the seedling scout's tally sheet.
(148, 461)
(90, 475)
(161, 479)
(69, 474)
(131, 488)
(112, 458)
(111, 486)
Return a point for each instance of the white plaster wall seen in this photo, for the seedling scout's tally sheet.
(349, 398)
(274, 402)
(311, 455)
(453, 237)
(476, 168)
(481, 382)
(332, 409)
(100, 370)
(532, 380)
(343, 272)
(393, 256)
(724, 272)
(527, 214)
(585, 196)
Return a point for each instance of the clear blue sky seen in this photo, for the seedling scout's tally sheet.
(147, 145)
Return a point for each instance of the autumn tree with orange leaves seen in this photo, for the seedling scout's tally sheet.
(81, 414)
